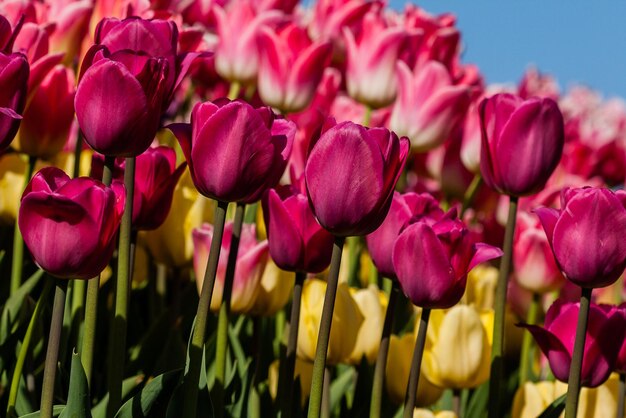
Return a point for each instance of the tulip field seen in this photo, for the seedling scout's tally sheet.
(261, 208)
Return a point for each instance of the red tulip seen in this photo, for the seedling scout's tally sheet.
(14, 73)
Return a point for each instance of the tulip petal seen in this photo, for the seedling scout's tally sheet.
(548, 218)
(287, 245)
(483, 252)
(551, 346)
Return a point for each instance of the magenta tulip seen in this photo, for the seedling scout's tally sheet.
(587, 235)
(14, 72)
(235, 152)
(522, 143)
(297, 242)
(404, 207)
(605, 333)
(350, 177)
(68, 225)
(620, 364)
(432, 258)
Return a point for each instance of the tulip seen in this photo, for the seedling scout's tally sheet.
(427, 413)
(350, 176)
(371, 59)
(235, 152)
(586, 235)
(403, 208)
(347, 319)
(303, 371)
(373, 304)
(522, 143)
(432, 259)
(331, 16)
(430, 107)
(251, 260)
(296, 241)
(70, 225)
(14, 72)
(274, 290)
(535, 267)
(604, 337)
(71, 26)
(290, 67)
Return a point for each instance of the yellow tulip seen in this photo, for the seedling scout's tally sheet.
(427, 413)
(303, 370)
(275, 290)
(171, 243)
(347, 320)
(399, 367)
(481, 287)
(373, 305)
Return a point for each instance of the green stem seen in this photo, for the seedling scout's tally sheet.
(496, 381)
(621, 394)
(18, 242)
(470, 194)
(78, 148)
(354, 260)
(78, 307)
(192, 377)
(21, 358)
(367, 116)
(326, 394)
(117, 342)
(52, 353)
(319, 365)
(222, 321)
(234, 90)
(286, 374)
(416, 364)
(91, 302)
(383, 351)
(573, 383)
(527, 342)
(456, 401)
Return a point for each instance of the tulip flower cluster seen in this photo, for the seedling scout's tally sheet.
(262, 208)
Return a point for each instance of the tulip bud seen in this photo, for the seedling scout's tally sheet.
(350, 176)
(69, 225)
(587, 235)
(14, 72)
(522, 143)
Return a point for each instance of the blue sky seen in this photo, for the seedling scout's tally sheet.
(576, 41)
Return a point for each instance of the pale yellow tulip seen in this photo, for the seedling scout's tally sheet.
(373, 305)
(275, 290)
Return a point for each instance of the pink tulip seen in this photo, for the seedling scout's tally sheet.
(536, 84)
(371, 59)
(522, 143)
(251, 261)
(50, 114)
(533, 261)
(605, 333)
(429, 106)
(14, 72)
(331, 16)
(296, 241)
(290, 67)
(350, 177)
(69, 226)
(235, 152)
(71, 21)
(620, 364)
(404, 208)
(432, 258)
(587, 235)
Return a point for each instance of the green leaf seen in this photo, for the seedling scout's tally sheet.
(340, 386)
(12, 308)
(555, 409)
(128, 385)
(478, 403)
(78, 403)
(56, 411)
(159, 388)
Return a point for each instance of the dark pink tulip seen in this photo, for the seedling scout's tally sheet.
(605, 333)
(620, 364)
(429, 106)
(290, 67)
(432, 258)
(68, 225)
(14, 73)
(297, 242)
(235, 152)
(403, 208)
(587, 235)
(522, 143)
(71, 23)
(350, 177)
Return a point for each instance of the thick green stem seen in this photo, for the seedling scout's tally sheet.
(319, 365)
(91, 302)
(52, 353)
(78, 148)
(18, 242)
(326, 394)
(234, 90)
(222, 322)
(192, 378)
(354, 260)
(470, 194)
(117, 341)
(383, 351)
(367, 116)
(496, 381)
(456, 401)
(527, 342)
(21, 357)
(621, 394)
(416, 364)
(78, 307)
(286, 375)
(573, 383)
